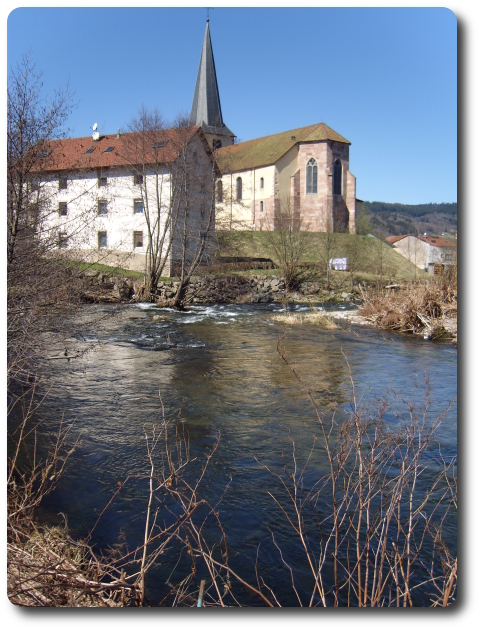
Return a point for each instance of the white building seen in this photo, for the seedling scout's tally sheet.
(425, 251)
(101, 189)
(102, 193)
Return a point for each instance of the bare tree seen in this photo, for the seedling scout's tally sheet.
(287, 237)
(354, 249)
(41, 287)
(174, 173)
(327, 247)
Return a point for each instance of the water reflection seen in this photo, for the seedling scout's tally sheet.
(220, 366)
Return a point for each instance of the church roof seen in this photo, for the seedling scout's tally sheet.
(71, 153)
(206, 110)
(267, 150)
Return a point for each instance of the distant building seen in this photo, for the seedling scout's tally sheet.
(425, 251)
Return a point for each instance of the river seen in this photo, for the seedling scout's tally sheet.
(219, 365)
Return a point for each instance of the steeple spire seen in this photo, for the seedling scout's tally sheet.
(206, 110)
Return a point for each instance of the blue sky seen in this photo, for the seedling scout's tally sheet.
(383, 78)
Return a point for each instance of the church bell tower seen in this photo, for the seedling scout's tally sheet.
(206, 110)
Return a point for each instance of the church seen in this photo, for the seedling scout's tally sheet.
(306, 168)
(99, 188)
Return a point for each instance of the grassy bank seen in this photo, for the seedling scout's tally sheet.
(375, 257)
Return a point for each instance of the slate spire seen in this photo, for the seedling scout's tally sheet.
(206, 110)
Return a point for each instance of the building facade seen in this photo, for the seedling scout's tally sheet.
(425, 251)
(303, 171)
(105, 192)
(110, 199)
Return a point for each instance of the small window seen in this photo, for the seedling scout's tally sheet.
(137, 239)
(159, 144)
(102, 180)
(239, 188)
(109, 149)
(138, 179)
(138, 206)
(217, 144)
(90, 150)
(62, 240)
(62, 182)
(261, 182)
(261, 206)
(202, 186)
(337, 177)
(102, 207)
(312, 177)
(102, 240)
(44, 154)
(62, 209)
(220, 191)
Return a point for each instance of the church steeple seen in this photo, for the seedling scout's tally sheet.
(206, 110)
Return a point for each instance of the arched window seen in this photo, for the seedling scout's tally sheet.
(261, 182)
(312, 177)
(261, 206)
(337, 177)
(239, 188)
(219, 191)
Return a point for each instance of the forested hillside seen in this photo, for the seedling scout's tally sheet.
(391, 219)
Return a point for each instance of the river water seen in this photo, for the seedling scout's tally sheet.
(220, 366)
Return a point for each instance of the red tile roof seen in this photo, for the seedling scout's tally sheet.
(394, 239)
(436, 241)
(70, 154)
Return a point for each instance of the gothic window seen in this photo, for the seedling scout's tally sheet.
(312, 177)
(261, 182)
(239, 188)
(220, 191)
(337, 177)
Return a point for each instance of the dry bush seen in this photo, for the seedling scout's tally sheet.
(417, 308)
(371, 528)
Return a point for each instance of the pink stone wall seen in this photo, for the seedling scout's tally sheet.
(323, 211)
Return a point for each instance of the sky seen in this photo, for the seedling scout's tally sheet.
(384, 78)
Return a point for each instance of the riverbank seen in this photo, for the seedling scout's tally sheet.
(428, 309)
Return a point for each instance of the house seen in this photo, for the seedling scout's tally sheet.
(425, 251)
(102, 191)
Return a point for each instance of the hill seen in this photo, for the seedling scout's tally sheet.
(391, 219)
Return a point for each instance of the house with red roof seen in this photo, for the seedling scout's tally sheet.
(425, 251)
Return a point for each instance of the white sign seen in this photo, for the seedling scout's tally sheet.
(339, 264)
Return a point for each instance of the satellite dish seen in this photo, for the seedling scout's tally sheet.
(95, 127)
(95, 135)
